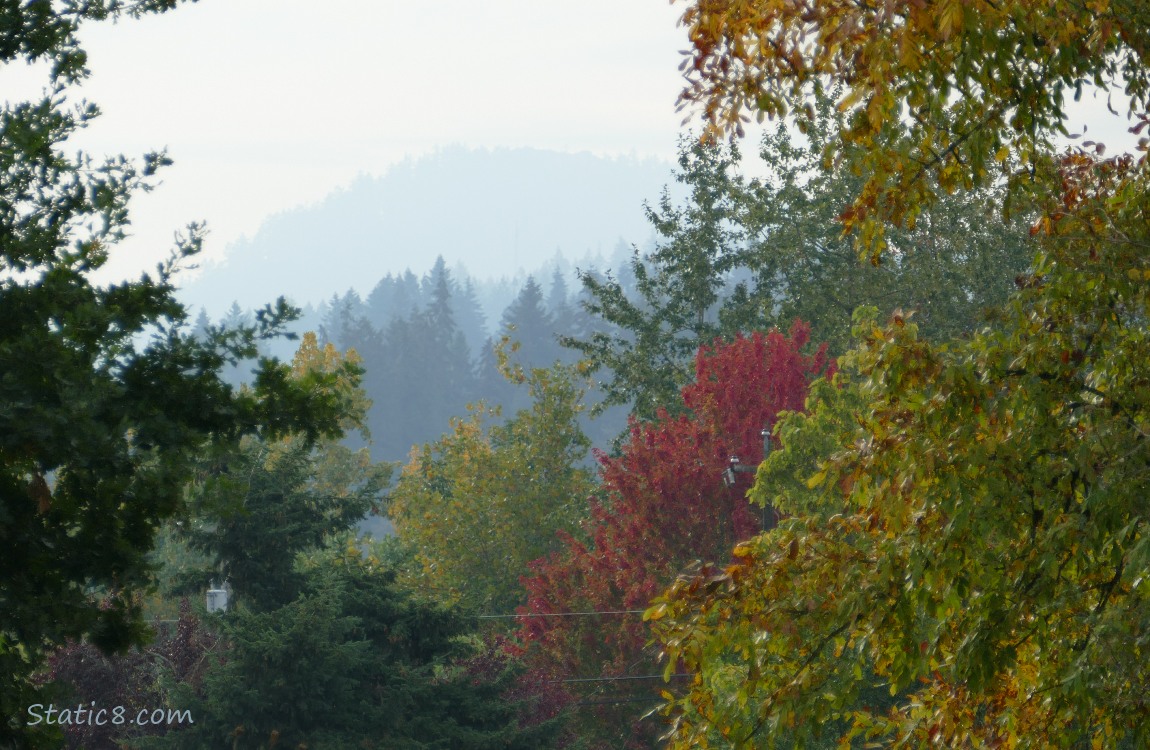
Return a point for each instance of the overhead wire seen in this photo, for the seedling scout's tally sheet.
(562, 614)
(629, 677)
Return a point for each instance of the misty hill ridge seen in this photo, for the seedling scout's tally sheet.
(493, 211)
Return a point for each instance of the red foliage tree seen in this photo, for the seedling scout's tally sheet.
(662, 504)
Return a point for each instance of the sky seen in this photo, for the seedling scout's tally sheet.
(266, 105)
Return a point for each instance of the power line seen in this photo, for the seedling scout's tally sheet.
(615, 701)
(563, 614)
(617, 679)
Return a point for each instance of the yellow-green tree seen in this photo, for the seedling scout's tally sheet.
(482, 502)
(939, 95)
(973, 542)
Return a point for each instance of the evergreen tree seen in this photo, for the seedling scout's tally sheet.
(202, 325)
(262, 504)
(407, 297)
(378, 302)
(106, 396)
(527, 321)
(353, 662)
(273, 502)
(343, 320)
(441, 316)
(396, 385)
(449, 374)
(470, 317)
(240, 371)
(564, 314)
(742, 256)
(427, 376)
(528, 330)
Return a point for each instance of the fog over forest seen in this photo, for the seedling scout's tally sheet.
(492, 214)
(504, 232)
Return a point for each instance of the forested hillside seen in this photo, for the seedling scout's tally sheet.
(500, 213)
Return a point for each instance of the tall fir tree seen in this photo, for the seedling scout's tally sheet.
(379, 300)
(426, 375)
(452, 376)
(344, 315)
(528, 327)
(563, 312)
(470, 317)
(527, 321)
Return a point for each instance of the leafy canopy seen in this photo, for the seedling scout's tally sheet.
(482, 502)
(652, 337)
(956, 262)
(662, 504)
(955, 91)
(753, 254)
(977, 535)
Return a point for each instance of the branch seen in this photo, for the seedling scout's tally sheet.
(814, 654)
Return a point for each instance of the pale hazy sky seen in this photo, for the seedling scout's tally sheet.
(269, 104)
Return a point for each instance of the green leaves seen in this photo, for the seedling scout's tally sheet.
(649, 341)
(482, 502)
(742, 255)
(105, 397)
(971, 534)
(355, 661)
